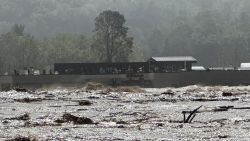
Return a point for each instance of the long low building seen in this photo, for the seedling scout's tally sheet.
(156, 72)
(153, 65)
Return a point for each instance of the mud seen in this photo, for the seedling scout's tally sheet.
(155, 114)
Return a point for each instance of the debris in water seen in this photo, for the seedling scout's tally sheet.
(134, 89)
(121, 122)
(93, 97)
(59, 121)
(160, 124)
(85, 103)
(223, 108)
(40, 124)
(214, 99)
(19, 138)
(5, 122)
(67, 117)
(168, 92)
(120, 126)
(28, 100)
(21, 90)
(168, 100)
(227, 94)
(94, 86)
(25, 116)
(191, 115)
(49, 95)
(223, 136)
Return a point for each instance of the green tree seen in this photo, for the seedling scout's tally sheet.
(66, 48)
(18, 29)
(18, 50)
(111, 40)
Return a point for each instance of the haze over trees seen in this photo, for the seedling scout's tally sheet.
(216, 32)
(20, 50)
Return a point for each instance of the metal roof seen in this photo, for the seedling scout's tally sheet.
(198, 68)
(174, 59)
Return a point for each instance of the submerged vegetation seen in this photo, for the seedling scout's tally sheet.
(99, 86)
(94, 86)
(129, 89)
(20, 138)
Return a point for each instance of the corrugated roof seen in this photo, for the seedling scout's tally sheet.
(174, 59)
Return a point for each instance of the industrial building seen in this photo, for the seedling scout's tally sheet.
(153, 65)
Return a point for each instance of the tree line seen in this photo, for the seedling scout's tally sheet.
(110, 43)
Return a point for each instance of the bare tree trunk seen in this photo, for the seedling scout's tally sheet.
(109, 57)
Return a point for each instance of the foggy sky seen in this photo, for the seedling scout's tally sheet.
(48, 17)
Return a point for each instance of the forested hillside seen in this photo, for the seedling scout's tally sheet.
(216, 32)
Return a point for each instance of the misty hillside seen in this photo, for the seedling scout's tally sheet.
(216, 32)
(49, 17)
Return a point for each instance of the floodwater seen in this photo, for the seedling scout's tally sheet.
(153, 115)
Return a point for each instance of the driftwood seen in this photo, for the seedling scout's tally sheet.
(28, 100)
(223, 108)
(191, 115)
(214, 99)
(226, 108)
(241, 108)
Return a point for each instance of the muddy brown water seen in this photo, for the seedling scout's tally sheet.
(153, 115)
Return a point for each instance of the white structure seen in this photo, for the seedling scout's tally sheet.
(198, 68)
(244, 66)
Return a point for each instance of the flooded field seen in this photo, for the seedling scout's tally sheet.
(155, 114)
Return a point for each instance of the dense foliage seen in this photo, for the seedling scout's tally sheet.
(20, 50)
